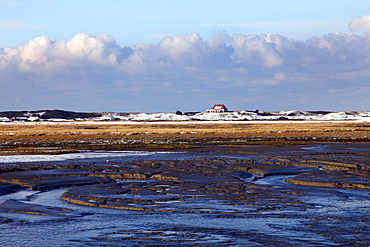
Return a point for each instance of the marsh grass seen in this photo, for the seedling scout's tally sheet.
(71, 138)
(132, 129)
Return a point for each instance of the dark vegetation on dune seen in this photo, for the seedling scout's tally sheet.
(49, 114)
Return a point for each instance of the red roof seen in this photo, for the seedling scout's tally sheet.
(217, 107)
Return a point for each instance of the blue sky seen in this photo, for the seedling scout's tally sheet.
(148, 21)
(184, 55)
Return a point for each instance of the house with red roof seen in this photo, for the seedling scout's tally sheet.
(218, 108)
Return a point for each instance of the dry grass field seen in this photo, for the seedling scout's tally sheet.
(222, 128)
(70, 138)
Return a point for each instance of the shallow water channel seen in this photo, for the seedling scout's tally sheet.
(314, 216)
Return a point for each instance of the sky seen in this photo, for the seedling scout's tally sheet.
(164, 56)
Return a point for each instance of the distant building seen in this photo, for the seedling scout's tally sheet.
(218, 109)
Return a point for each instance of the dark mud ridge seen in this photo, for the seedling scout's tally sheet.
(186, 185)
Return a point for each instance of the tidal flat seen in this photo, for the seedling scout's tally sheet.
(220, 193)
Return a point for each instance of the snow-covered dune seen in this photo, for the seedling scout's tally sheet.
(251, 116)
(255, 116)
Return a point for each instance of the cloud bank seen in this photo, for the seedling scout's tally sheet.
(267, 71)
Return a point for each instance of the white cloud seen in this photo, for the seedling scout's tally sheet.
(36, 50)
(183, 48)
(186, 54)
(45, 55)
(254, 49)
(102, 49)
(360, 23)
(280, 76)
(184, 62)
